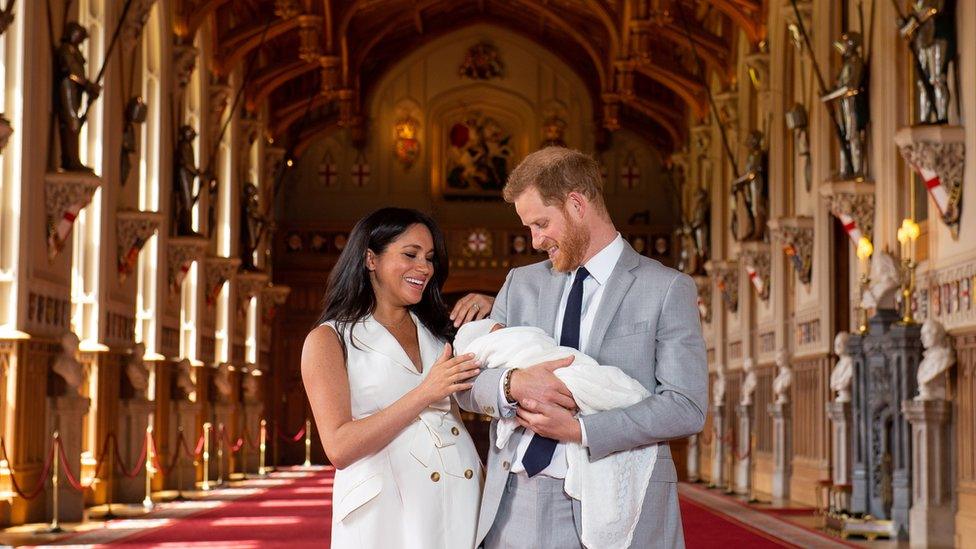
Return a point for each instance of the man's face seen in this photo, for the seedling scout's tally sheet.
(553, 230)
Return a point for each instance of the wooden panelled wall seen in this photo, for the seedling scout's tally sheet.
(811, 440)
(965, 437)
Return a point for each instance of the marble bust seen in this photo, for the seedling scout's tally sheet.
(843, 372)
(937, 358)
(748, 383)
(183, 378)
(885, 281)
(66, 363)
(784, 377)
(718, 388)
(136, 370)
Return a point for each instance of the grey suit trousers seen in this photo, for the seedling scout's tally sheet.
(535, 513)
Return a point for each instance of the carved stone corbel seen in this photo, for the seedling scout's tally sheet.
(219, 99)
(704, 286)
(184, 63)
(852, 202)
(347, 107)
(758, 66)
(181, 252)
(274, 156)
(331, 71)
(938, 154)
(640, 39)
(286, 9)
(133, 229)
(249, 284)
(727, 103)
(272, 297)
(611, 112)
(754, 257)
(726, 276)
(65, 194)
(625, 78)
(701, 139)
(135, 21)
(795, 234)
(309, 47)
(218, 270)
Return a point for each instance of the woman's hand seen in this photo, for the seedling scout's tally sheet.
(471, 307)
(448, 375)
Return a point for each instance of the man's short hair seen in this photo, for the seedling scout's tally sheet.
(555, 172)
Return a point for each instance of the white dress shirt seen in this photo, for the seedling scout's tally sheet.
(599, 266)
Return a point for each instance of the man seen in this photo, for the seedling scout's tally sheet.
(597, 294)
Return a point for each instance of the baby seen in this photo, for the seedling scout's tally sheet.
(610, 490)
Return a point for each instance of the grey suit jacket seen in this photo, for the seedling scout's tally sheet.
(647, 324)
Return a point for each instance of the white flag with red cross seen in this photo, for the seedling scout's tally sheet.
(61, 229)
(328, 173)
(851, 228)
(756, 280)
(935, 187)
(630, 176)
(360, 173)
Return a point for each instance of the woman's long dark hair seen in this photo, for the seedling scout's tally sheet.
(349, 297)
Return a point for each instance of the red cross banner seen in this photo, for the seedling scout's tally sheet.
(60, 230)
(630, 176)
(851, 228)
(328, 174)
(935, 187)
(756, 280)
(360, 173)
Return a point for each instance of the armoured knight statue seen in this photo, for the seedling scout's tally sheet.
(751, 186)
(931, 33)
(135, 113)
(184, 193)
(701, 224)
(252, 226)
(72, 84)
(853, 112)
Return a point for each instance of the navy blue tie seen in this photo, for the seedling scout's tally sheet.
(539, 453)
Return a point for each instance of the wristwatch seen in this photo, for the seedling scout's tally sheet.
(507, 387)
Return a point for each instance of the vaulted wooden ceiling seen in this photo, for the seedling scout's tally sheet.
(316, 61)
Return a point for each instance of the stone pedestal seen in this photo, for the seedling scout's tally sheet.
(931, 519)
(840, 420)
(782, 449)
(694, 463)
(251, 453)
(220, 454)
(65, 414)
(133, 419)
(743, 450)
(718, 445)
(183, 413)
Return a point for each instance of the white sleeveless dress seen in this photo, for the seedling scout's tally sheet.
(422, 490)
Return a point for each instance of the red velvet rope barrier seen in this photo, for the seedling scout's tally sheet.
(235, 446)
(298, 436)
(39, 487)
(140, 461)
(250, 443)
(196, 451)
(72, 480)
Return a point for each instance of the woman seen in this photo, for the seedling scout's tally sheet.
(379, 377)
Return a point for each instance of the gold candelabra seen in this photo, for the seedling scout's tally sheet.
(908, 234)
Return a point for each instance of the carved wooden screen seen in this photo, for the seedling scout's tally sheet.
(763, 397)
(966, 410)
(810, 394)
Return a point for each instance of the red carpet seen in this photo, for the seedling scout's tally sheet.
(705, 529)
(295, 515)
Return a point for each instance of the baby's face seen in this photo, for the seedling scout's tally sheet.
(497, 327)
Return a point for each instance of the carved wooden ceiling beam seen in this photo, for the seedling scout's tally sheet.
(292, 112)
(190, 21)
(687, 88)
(273, 78)
(235, 47)
(746, 14)
(655, 112)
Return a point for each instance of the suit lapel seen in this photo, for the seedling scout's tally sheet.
(613, 295)
(550, 294)
(371, 334)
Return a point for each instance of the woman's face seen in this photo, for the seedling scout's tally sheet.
(400, 274)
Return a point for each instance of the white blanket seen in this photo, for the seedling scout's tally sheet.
(610, 490)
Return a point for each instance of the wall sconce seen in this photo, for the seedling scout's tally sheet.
(864, 251)
(908, 233)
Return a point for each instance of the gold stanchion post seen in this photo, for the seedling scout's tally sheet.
(220, 454)
(178, 465)
(147, 502)
(206, 456)
(262, 472)
(308, 443)
(55, 527)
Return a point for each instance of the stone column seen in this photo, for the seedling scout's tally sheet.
(183, 413)
(718, 446)
(840, 419)
(743, 449)
(66, 414)
(931, 518)
(782, 449)
(694, 473)
(133, 419)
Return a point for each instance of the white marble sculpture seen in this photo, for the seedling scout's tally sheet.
(250, 388)
(66, 363)
(183, 378)
(718, 388)
(885, 281)
(223, 384)
(136, 370)
(843, 372)
(937, 358)
(784, 377)
(749, 383)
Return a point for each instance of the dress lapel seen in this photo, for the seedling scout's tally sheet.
(371, 334)
(617, 286)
